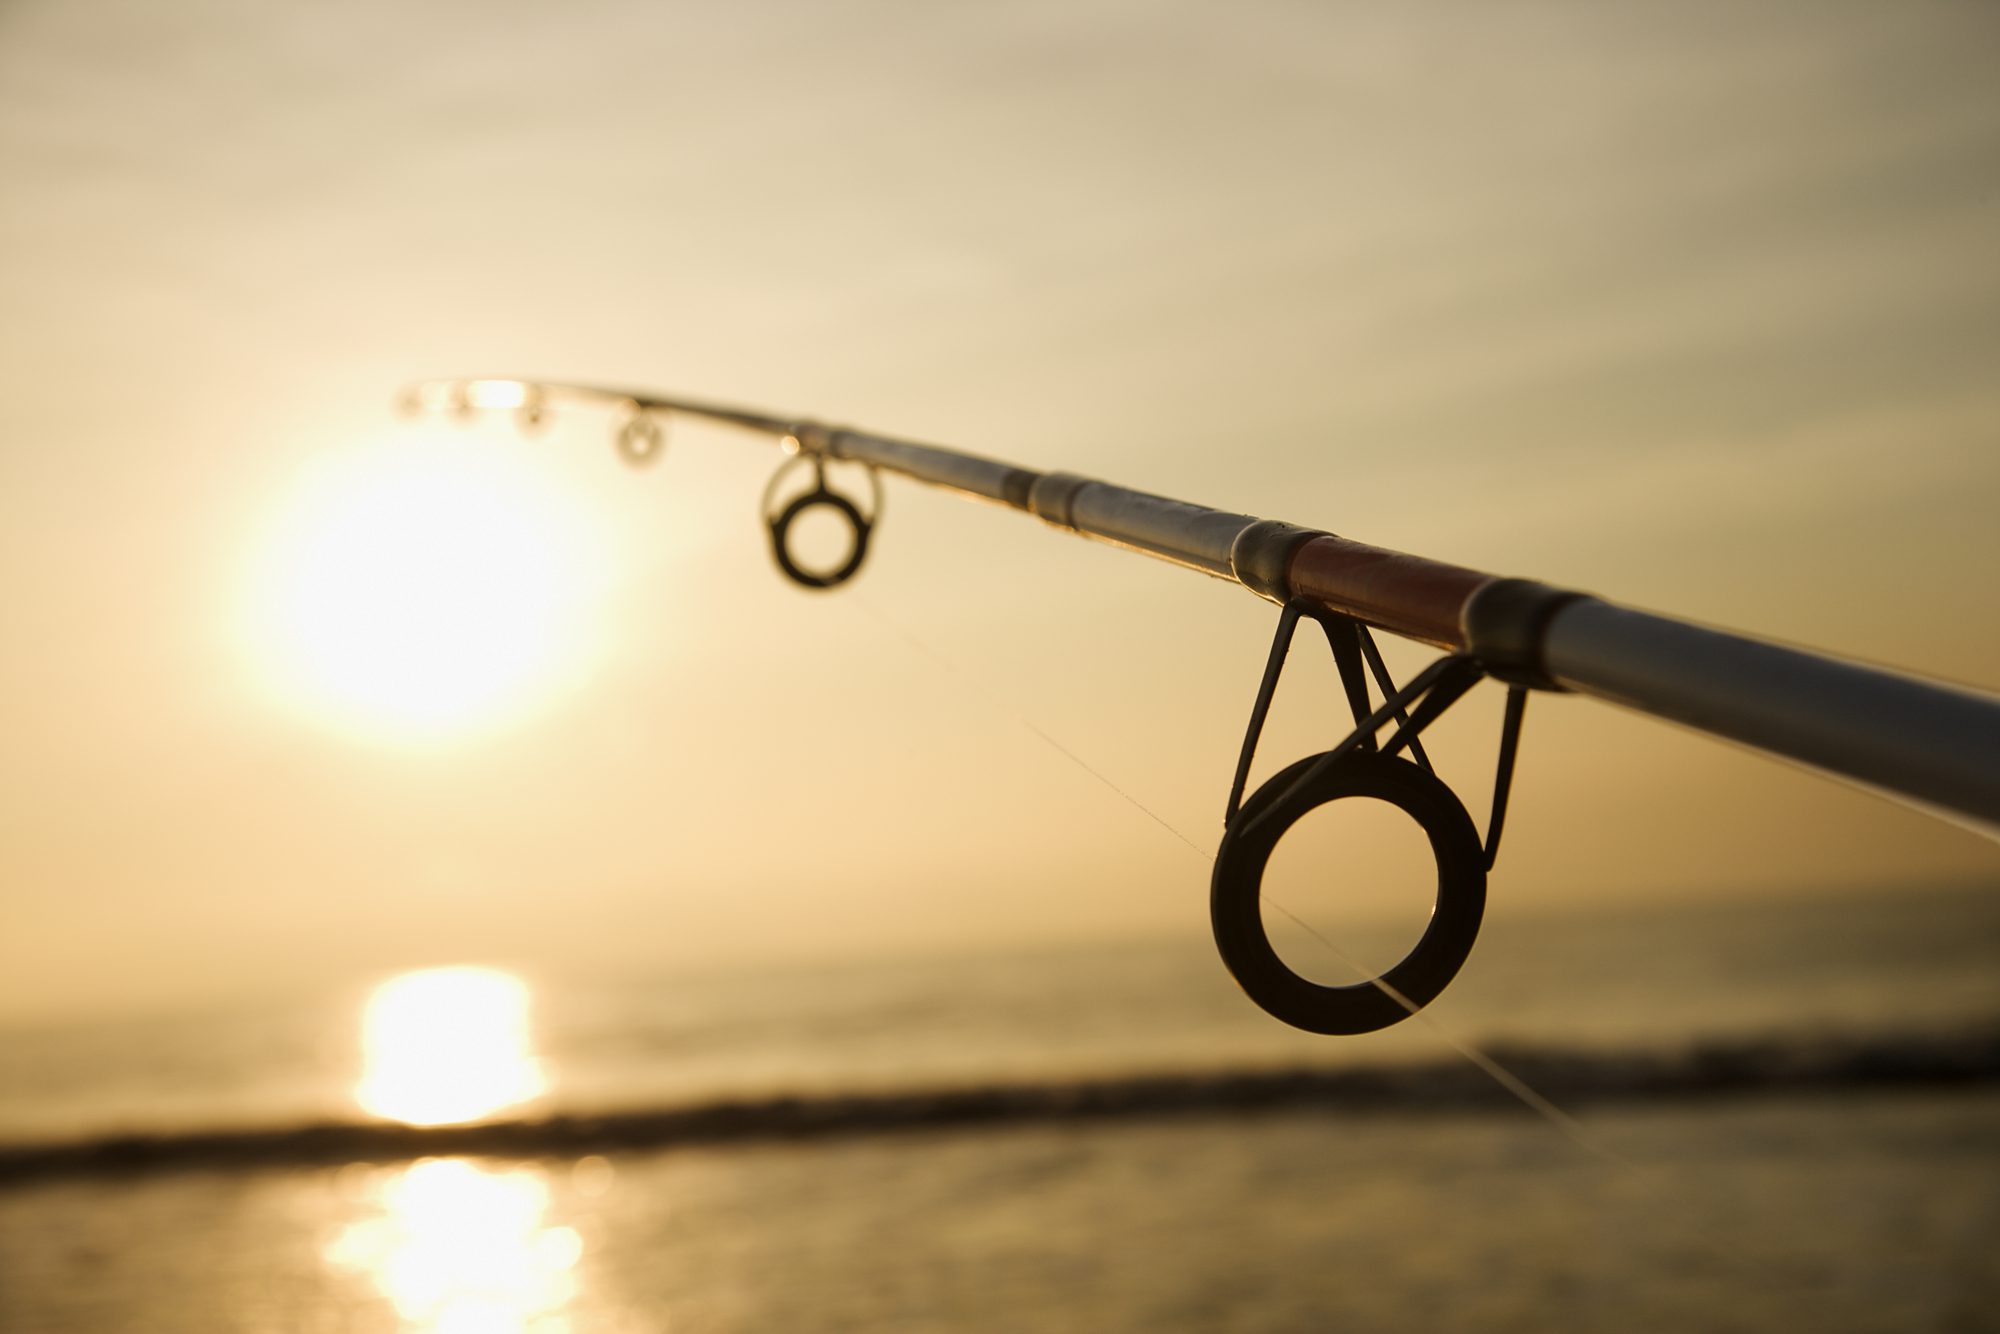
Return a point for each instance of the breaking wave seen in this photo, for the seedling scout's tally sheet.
(1572, 1078)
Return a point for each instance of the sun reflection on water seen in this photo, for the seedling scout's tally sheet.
(445, 1045)
(458, 1248)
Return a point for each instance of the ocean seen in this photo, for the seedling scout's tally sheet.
(1755, 1115)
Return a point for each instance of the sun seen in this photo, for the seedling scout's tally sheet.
(421, 588)
(446, 1045)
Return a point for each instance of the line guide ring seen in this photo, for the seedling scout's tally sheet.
(640, 438)
(1360, 766)
(1236, 893)
(860, 526)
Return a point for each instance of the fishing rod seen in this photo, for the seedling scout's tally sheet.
(1934, 745)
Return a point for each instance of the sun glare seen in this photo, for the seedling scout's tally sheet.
(446, 1045)
(426, 587)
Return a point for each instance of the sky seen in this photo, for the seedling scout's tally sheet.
(1695, 306)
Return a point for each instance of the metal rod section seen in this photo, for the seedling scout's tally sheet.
(1923, 740)
(1191, 535)
(966, 474)
(1935, 744)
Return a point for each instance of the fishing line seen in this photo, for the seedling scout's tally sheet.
(994, 703)
(1928, 743)
(1565, 1124)
(1570, 1127)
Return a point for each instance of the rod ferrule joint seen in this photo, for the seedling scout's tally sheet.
(1052, 498)
(1505, 622)
(814, 437)
(1261, 557)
